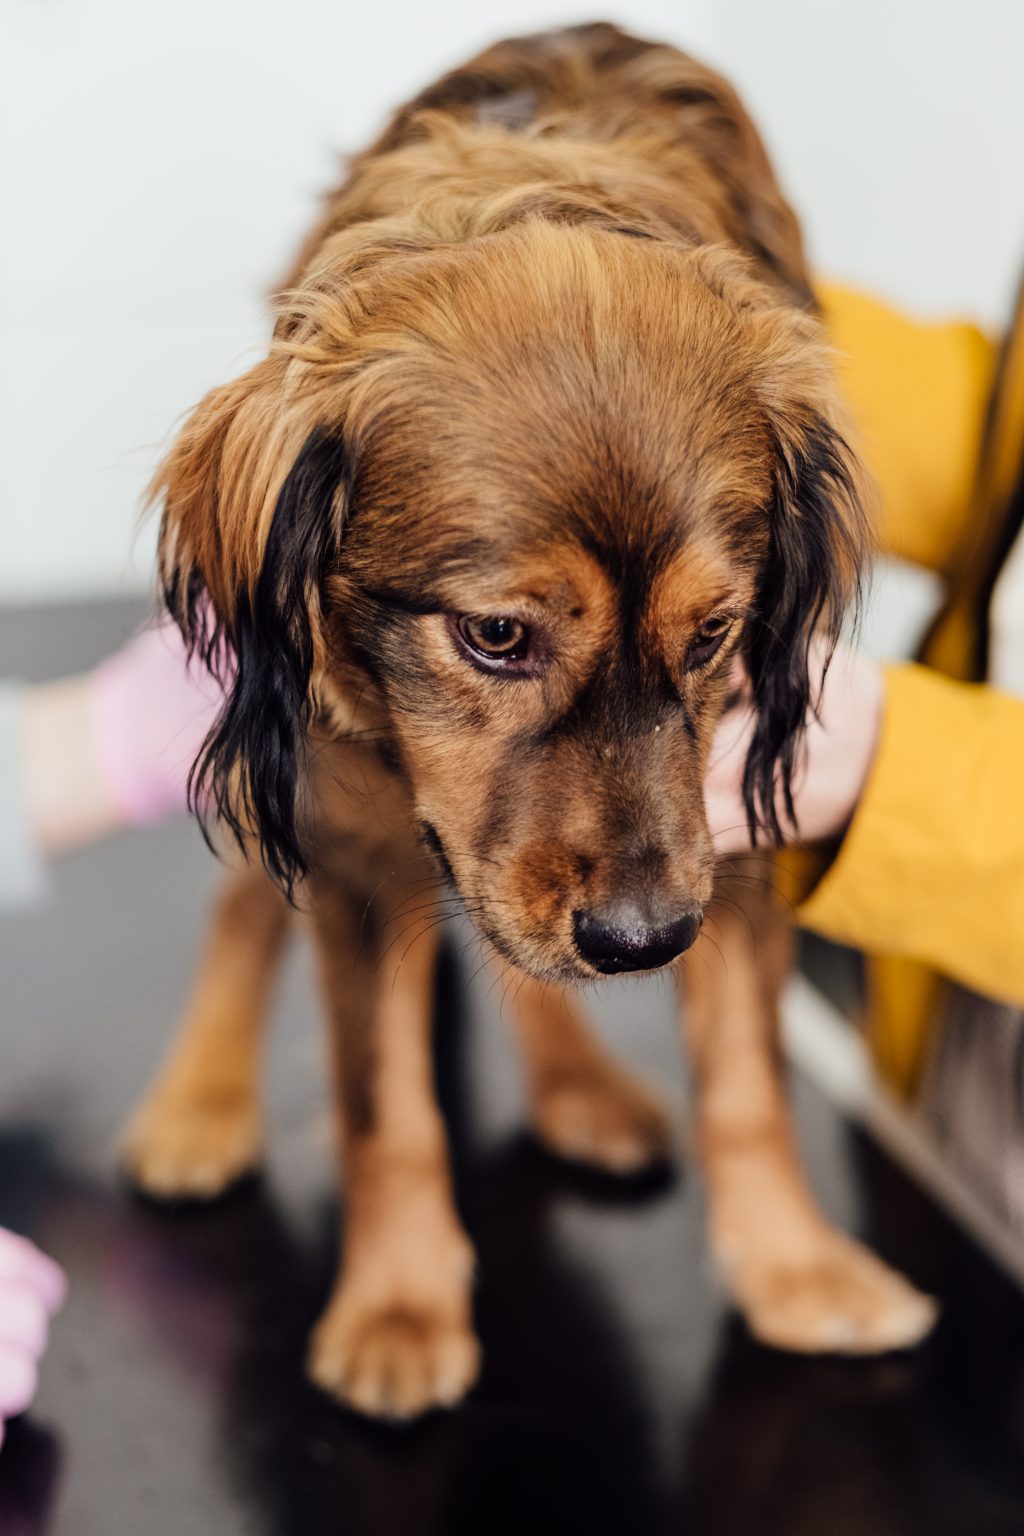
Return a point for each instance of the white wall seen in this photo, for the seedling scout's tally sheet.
(898, 128)
(159, 162)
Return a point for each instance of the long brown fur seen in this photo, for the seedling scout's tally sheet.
(550, 353)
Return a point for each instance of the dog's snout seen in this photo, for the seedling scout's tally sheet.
(620, 938)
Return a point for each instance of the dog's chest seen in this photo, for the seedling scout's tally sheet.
(361, 811)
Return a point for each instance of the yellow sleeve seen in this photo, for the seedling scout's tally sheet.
(918, 394)
(932, 865)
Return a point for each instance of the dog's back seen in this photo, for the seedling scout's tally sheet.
(662, 142)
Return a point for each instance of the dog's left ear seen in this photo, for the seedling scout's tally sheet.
(254, 498)
(809, 582)
(250, 765)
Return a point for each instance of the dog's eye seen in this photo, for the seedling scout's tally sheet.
(496, 640)
(706, 642)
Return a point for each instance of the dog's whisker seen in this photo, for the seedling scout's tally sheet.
(393, 874)
(439, 913)
(709, 938)
(740, 912)
(453, 903)
(426, 926)
(758, 883)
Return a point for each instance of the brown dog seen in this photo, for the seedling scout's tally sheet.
(546, 439)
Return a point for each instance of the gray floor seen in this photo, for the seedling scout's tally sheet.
(619, 1394)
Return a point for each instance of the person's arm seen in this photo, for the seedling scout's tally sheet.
(932, 864)
(87, 754)
(918, 392)
(921, 778)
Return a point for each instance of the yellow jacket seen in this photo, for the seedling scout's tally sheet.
(932, 867)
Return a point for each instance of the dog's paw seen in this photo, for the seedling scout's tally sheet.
(840, 1299)
(605, 1118)
(174, 1149)
(395, 1360)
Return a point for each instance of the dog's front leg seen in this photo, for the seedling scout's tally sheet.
(585, 1105)
(396, 1338)
(801, 1284)
(200, 1126)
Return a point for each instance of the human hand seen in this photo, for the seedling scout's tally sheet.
(32, 1289)
(833, 761)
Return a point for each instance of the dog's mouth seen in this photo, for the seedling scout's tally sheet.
(567, 972)
(476, 910)
(432, 838)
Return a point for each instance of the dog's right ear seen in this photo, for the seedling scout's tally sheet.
(254, 495)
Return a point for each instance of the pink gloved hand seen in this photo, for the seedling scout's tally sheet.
(833, 763)
(151, 710)
(113, 747)
(32, 1289)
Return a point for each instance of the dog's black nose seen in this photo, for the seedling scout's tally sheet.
(620, 938)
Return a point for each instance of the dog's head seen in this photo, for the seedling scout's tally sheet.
(530, 494)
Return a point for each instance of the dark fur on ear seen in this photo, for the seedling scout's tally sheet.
(810, 580)
(248, 772)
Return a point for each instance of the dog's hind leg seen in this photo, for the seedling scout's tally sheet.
(585, 1106)
(801, 1284)
(396, 1338)
(199, 1127)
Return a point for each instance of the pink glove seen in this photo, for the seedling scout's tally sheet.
(32, 1289)
(151, 713)
(834, 762)
(113, 747)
